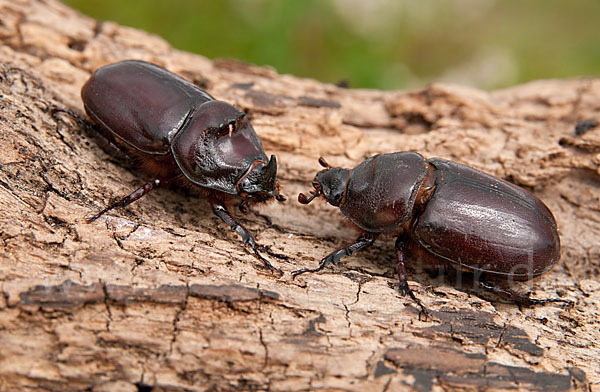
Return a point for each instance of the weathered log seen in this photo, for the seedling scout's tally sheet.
(161, 294)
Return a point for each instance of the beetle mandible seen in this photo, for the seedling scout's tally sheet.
(182, 136)
(451, 214)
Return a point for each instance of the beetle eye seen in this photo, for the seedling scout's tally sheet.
(335, 197)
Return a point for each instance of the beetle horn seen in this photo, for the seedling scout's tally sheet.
(261, 178)
(270, 171)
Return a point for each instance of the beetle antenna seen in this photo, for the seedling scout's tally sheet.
(305, 200)
(324, 163)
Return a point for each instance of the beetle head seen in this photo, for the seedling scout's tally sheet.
(331, 183)
(260, 182)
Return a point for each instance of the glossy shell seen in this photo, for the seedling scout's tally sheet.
(481, 223)
(157, 113)
(463, 217)
(381, 191)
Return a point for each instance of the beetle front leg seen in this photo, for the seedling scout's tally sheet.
(403, 287)
(221, 211)
(362, 242)
(133, 196)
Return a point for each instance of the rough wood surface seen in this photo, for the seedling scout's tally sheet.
(161, 294)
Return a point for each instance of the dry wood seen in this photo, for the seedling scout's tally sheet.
(161, 294)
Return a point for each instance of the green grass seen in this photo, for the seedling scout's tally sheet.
(485, 43)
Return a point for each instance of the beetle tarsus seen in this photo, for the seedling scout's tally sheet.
(55, 110)
(403, 286)
(324, 263)
(404, 290)
(221, 211)
(266, 262)
(125, 201)
(362, 242)
(521, 299)
(536, 301)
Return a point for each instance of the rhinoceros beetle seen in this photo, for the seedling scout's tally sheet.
(450, 214)
(182, 136)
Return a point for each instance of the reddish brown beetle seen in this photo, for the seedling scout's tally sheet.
(450, 214)
(182, 136)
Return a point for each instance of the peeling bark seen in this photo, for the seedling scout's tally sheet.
(162, 295)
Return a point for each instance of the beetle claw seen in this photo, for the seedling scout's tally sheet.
(404, 290)
(536, 301)
(324, 263)
(248, 239)
(305, 270)
(522, 299)
(266, 262)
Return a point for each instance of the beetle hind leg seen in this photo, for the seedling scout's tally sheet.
(125, 201)
(403, 287)
(362, 242)
(519, 298)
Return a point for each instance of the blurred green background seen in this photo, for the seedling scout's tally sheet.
(383, 44)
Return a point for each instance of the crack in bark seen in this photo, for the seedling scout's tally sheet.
(137, 262)
(501, 336)
(347, 316)
(386, 387)
(5, 295)
(107, 306)
(16, 196)
(262, 342)
(5, 238)
(177, 317)
(117, 240)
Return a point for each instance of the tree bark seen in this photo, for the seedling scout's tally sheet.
(162, 295)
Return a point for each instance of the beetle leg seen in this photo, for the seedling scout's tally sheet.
(133, 196)
(362, 242)
(103, 138)
(221, 211)
(403, 287)
(521, 298)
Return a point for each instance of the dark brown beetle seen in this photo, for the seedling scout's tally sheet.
(182, 136)
(449, 214)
